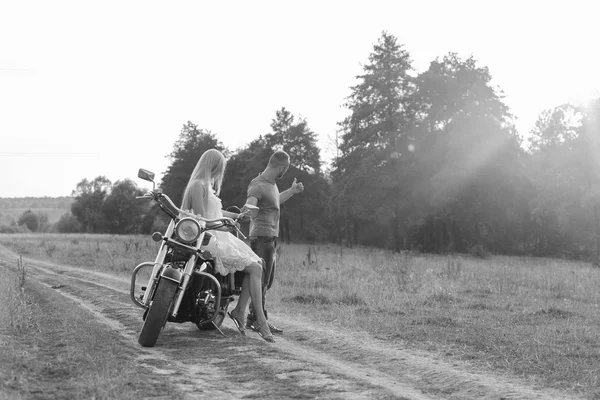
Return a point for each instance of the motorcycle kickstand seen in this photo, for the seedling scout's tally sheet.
(219, 329)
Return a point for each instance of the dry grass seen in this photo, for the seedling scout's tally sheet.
(108, 253)
(54, 349)
(535, 318)
(16, 313)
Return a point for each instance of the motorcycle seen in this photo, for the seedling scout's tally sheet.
(183, 285)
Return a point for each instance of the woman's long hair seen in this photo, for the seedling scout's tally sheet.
(210, 170)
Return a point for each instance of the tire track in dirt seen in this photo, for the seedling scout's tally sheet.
(148, 356)
(450, 380)
(371, 376)
(309, 361)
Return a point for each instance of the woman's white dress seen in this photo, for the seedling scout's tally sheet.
(231, 254)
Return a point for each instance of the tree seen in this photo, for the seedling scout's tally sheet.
(470, 157)
(68, 223)
(87, 206)
(587, 148)
(30, 220)
(559, 185)
(556, 128)
(566, 173)
(100, 207)
(296, 139)
(124, 213)
(305, 216)
(242, 167)
(380, 118)
(188, 149)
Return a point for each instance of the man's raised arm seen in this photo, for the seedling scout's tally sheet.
(297, 187)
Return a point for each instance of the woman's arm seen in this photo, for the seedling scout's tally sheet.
(230, 214)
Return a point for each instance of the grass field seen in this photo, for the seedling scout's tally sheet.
(534, 318)
(52, 350)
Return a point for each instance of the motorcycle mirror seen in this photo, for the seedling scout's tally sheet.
(146, 175)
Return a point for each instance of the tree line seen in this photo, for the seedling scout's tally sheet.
(426, 161)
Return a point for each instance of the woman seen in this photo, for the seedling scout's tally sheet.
(231, 254)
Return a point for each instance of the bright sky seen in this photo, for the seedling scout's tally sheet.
(103, 88)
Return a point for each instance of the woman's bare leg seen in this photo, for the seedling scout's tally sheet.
(242, 305)
(252, 290)
(255, 278)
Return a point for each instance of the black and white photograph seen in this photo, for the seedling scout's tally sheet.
(346, 200)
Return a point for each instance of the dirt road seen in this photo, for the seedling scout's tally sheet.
(308, 361)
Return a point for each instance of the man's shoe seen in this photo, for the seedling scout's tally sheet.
(251, 323)
(274, 329)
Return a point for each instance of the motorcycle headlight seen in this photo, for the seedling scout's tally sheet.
(187, 230)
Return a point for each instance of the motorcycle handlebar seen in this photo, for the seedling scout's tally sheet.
(225, 221)
(167, 205)
(174, 212)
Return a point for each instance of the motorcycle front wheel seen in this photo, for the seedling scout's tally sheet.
(157, 312)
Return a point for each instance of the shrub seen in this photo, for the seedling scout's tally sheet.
(30, 220)
(68, 224)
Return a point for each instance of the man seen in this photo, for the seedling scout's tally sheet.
(264, 227)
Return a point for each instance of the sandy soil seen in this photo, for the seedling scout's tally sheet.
(307, 361)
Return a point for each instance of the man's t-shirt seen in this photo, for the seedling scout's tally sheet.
(266, 223)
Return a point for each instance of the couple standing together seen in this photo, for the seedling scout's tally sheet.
(232, 254)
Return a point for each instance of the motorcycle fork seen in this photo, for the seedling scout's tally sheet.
(158, 265)
(185, 281)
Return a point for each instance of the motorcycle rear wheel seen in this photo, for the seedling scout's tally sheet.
(158, 312)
